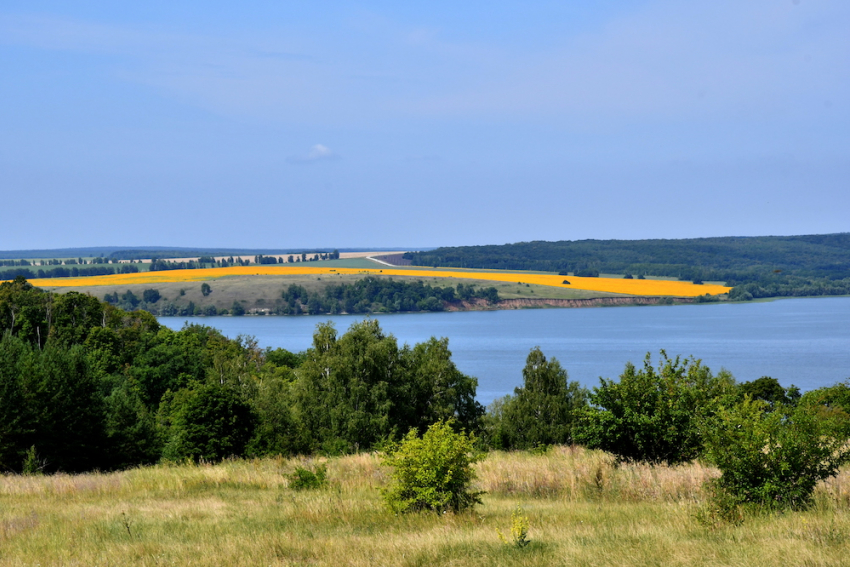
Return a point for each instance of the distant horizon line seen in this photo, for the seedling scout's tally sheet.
(80, 250)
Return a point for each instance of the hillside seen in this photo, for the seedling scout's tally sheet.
(735, 260)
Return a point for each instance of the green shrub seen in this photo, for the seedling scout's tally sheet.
(774, 458)
(305, 479)
(433, 472)
(654, 414)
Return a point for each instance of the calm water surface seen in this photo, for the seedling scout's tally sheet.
(805, 342)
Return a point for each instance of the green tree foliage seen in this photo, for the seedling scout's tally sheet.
(277, 431)
(433, 472)
(359, 389)
(767, 266)
(63, 408)
(541, 412)
(25, 311)
(150, 295)
(836, 396)
(711, 259)
(787, 285)
(206, 421)
(16, 424)
(378, 295)
(205, 289)
(775, 458)
(435, 390)
(74, 314)
(770, 391)
(654, 414)
(132, 436)
(347, 387)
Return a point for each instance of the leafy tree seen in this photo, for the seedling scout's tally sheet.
(836, 396)
(66, 408)
(541, 412)
(25, 311)
(132, 437)
(206, 421)
(16, 423)
(771, 391)
(205, 289)
(436, 390)
(775, 458)
(433, 473)
(281, 357)
(347, 386)
(170, 360)
(150, 295)
(354, 391)
(277, 432)
(654, 414)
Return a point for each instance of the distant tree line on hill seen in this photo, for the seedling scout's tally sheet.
(141, 254)
(57, 262)
(68, 272)
(369, 295)
(780, 265)
(377, 295)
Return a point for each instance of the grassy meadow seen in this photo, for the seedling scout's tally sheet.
(582, 510)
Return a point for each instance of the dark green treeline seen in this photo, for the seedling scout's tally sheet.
(85, 385)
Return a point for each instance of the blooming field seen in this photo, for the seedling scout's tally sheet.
(613, 285)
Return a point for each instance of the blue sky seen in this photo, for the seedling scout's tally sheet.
(358, 124)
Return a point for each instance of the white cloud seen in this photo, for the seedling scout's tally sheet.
(318, 152)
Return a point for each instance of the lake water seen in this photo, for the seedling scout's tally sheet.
(805, 342)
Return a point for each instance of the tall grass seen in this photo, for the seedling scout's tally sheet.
(582, 509)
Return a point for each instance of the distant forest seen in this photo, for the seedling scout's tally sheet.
(373, 295)
(763, 266)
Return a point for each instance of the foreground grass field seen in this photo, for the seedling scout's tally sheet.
(582, 510)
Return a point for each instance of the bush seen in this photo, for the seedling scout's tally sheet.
(651, 414)
(305, 479)
(433, 472)
(775, 458)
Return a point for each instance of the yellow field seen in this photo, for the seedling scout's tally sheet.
(612, 285)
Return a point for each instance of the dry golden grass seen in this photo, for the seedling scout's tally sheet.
(582, 508)
(611, 285)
